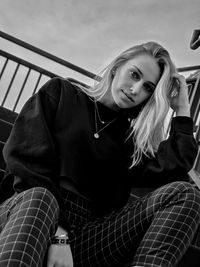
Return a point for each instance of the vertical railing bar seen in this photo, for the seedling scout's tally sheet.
(197, 105)
(196, 111)
(198, 134)
(9, 87)
(193, 96)
(22, 89)
(4, 66)
(37, 83)
(169, 124)
(190, 91)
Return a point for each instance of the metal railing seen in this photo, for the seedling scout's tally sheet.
(7, 59)
(41, 73)
(29, 67)
(193, 84)
(47, 55)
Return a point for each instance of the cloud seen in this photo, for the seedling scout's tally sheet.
(89, 32)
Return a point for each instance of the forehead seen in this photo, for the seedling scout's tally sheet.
(147, 65)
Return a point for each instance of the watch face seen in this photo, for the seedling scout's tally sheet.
(60, 241)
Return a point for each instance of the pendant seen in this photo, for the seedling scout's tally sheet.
(96, 135)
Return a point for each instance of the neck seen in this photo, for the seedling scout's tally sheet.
(109, 102)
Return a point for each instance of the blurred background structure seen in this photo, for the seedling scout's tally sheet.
(75, 38)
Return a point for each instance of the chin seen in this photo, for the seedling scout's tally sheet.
(120, 104)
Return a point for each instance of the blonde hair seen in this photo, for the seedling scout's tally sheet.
(147, 129)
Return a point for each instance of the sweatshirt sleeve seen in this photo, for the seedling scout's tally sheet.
(174, 159)
(30, 153)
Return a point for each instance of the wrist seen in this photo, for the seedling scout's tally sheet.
(183, 111)
(60, 240)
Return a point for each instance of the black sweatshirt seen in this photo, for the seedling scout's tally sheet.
(53, 139)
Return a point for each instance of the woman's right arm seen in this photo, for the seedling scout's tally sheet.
(30, 153)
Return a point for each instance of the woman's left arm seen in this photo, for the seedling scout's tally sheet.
(176, 155)
(174, 159)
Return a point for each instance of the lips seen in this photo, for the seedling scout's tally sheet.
(128, 96)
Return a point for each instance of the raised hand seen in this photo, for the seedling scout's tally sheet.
(179, 100)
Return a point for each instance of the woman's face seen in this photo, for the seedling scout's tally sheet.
(134, 82)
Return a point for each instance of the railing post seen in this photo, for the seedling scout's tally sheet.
(9, 87)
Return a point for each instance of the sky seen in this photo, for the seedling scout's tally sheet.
(89, 33)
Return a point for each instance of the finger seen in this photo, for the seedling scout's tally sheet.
(174, 94)
(179, 81)
(178, 76)
(174, 87)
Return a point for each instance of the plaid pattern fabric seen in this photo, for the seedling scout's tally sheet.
(155, 230)
(27, 222)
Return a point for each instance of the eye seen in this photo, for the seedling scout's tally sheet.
(135, 75)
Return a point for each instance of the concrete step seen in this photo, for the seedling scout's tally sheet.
(5, 129)
(7, 115)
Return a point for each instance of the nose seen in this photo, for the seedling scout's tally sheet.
(136, 87)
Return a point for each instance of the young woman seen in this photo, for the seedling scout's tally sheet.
(75, 153)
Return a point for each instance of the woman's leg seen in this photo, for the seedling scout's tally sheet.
(173, 226)
(153, 231)
(27, 222)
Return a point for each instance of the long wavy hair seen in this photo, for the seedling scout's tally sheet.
(147, 128)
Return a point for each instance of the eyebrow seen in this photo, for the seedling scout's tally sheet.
(142, 75)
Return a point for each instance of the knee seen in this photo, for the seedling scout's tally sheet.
(186, 187)
(186, 192)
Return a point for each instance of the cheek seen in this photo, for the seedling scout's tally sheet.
(115, 86)
(119, 82)
(114, 93)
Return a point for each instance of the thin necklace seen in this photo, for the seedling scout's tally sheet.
(96, 114)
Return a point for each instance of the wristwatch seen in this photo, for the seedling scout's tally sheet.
(60, 240)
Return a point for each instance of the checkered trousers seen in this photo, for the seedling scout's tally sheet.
(27, 222)
(155, 230)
